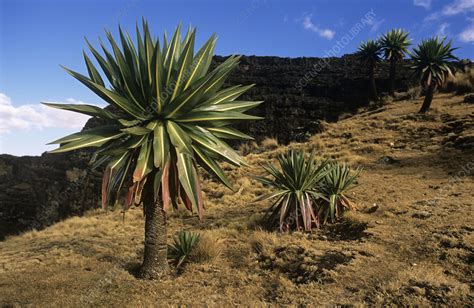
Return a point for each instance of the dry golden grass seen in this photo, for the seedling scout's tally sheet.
(248, 147)
(269, 143)
(414, 92)
(461, 82)
(208, 250)
(263, 241)
(411, 94)
(411, 242)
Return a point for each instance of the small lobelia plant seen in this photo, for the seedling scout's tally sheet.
(296, 193)
(183, 245)
(336, 183)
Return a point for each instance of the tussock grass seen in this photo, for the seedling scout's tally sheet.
(414, 92)
(248, 148)
(461, 82)
(420, 284)
(263, 242)
(208, 250)
(269, 143)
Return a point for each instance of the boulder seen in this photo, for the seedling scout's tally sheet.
(469, 98)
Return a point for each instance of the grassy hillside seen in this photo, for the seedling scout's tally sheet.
(411, 242)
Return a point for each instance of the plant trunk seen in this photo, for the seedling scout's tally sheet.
(428, 98)
(373, 87)
(155, 262)
(393, 67)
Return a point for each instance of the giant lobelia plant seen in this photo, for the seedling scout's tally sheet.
(169, 114)
(369, 53)
(394, 45)
(433, 62)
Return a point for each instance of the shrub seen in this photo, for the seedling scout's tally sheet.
(190, 247)
(343, 116)
(337, 182)
(414, 92)
(461, 82)
(184, 243)
(262, 242)
(469, 98)
(295, 190)
(411, 94)
(269, 143)
(386, 99)
(249, 147)
(207, 250)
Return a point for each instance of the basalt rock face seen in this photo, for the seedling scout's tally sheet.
(298, 91)
(38, 191)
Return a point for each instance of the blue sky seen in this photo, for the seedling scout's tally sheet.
(37, 36)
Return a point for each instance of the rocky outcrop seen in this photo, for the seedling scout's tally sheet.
(297, 91)
(469, 98)
(37, 191)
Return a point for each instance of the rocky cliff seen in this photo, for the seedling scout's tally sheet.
(37, 191)
(299, 91)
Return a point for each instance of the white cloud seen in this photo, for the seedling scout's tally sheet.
(325, 33)
(26, 117)
(423, 3)
(467, 35)
(443, 29)
(375, 24)
(452, 9)
(458, 6)
(433, 16)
